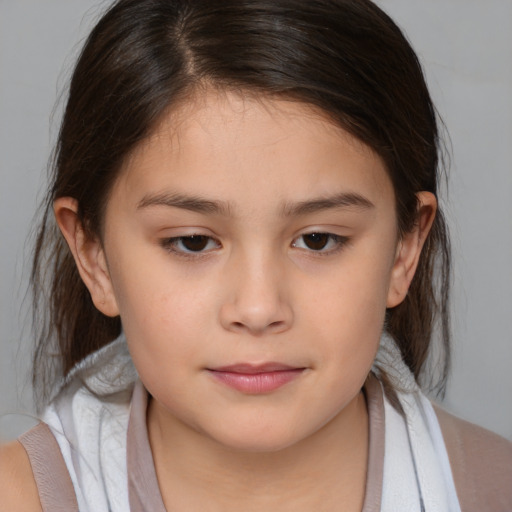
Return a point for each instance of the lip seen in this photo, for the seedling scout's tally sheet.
(256, 379)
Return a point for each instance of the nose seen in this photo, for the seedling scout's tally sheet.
(256, 301)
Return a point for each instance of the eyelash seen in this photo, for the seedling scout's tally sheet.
(170, 244)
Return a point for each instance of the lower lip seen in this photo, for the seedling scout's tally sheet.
(257, 383)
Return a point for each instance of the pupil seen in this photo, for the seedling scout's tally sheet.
(316, 241)
(195, 243)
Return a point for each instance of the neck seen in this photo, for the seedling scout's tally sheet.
(324, 470)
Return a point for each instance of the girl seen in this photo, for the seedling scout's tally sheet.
(246, 263)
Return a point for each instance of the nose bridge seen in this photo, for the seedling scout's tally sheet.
(258, 301)
(259, 278)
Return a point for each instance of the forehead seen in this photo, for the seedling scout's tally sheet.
(240, 146)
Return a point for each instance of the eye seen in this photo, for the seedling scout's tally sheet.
(320, 242)
(190, 244)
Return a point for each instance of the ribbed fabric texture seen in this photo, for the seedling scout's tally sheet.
(52, 478)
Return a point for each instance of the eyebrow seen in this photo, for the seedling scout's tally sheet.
(192, 203)
(209, 206)
(341, 200)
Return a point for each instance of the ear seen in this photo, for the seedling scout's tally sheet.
(409, 249)
(88, 254)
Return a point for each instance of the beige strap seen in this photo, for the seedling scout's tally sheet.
(375, 405)
(143, 490)
(51, 475)
(481, 463)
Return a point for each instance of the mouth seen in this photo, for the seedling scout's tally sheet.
(256, 379)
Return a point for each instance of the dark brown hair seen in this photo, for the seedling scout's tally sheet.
(345, 57)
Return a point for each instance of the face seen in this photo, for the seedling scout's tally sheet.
(251, 250)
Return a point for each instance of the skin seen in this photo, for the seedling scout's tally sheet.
(17, 486)
(257, 292)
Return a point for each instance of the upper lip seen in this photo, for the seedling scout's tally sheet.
(248, 368)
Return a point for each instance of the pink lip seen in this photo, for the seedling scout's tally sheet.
(256, 379)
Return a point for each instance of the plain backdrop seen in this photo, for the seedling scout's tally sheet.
(466, 49)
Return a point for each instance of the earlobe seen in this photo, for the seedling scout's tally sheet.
(88, 254)
(409, 250)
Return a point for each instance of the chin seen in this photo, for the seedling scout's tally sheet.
(266, 439)
(261, 446)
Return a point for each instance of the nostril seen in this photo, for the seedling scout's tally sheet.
(271, 327)
(267, 318)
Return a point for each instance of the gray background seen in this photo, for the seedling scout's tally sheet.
(466, 48)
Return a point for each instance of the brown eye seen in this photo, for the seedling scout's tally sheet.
(190, 244)
(322, 243)
(194, 243)
(316, 241)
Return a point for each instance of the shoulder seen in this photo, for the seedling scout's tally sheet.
(17, 485)
(481, 463)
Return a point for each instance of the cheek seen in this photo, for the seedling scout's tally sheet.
(163, 313)
(355, 294)
(149, 289)
(348, 312)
